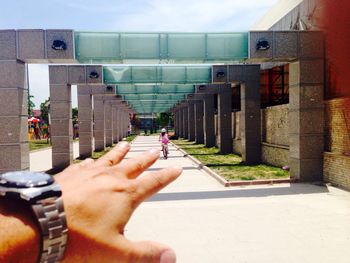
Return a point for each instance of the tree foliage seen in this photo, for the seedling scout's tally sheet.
(44, 108)
(164, 119)
(31, 105)
(74, 114)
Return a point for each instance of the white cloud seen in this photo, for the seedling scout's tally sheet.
(157, 15)
(187, 16)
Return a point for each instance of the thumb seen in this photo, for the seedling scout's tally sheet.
(153, 252)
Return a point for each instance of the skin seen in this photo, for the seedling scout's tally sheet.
(99, 198)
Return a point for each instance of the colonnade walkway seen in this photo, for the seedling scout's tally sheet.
(208, 223)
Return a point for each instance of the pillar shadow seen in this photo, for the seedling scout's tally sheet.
(294, 189)
(183, 168)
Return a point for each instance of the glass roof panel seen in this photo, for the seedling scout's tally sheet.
(123, 89)
(116, 47)
(157, 74)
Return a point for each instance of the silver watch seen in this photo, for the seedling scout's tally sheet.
(44, 196)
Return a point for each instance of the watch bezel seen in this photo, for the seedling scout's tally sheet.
(29, 184)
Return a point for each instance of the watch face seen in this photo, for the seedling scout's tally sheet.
(25, 179)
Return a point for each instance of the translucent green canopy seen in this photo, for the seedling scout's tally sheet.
(150, 107)
(145, 98)
(124, 89)
(128, 48)
(157, 74)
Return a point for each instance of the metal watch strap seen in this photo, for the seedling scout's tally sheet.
(53, 227)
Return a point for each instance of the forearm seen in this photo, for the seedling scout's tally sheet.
(19, 235)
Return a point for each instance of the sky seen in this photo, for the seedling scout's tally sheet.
(126, 16)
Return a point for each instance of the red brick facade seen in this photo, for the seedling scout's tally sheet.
(337, 142)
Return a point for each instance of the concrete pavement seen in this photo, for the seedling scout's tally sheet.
(208, 223)
(41, 160)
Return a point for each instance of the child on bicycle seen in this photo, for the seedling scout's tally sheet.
(163, 137)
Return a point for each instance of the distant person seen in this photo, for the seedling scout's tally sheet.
(163, 137)
(75, 130)
(37, 132)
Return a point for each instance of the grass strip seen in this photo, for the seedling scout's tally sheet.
(230, 166)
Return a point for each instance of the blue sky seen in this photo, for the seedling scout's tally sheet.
(126, 16)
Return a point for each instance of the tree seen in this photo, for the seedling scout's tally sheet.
(74, 114)
(31, 105)
(164, 119)
(44, 108)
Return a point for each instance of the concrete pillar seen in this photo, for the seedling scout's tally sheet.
(99, 123)
(191, 122)
(120, 128)
(175, 123)
(14, 149)
(185, 121)
(180, 122)
(225, 120)
(208, 120)
(61, 118)
(306, 118)
(85, 121)
(108, 123)
(115, 124)
(249, 77)
(198, 113)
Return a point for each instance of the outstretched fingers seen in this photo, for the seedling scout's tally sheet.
(136, 165)
(153, 182)
(114, 156)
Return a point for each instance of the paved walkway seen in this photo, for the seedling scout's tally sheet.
(208, 223)
(41, 160)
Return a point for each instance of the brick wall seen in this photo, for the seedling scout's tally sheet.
(275, 135)
(275, 125)
(337, 142)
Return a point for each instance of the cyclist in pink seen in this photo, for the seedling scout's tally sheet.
(163, 137)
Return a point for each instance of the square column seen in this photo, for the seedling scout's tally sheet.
(198, 113)
(85, 115)
(99, 123)
(225, 121)
(175, 123)
(180, 122)
(120, 123)
(191, 122)
(306, 116)
(108, 124)
(250, 124)
(185, 122)
(14, 148)
(115, 124)
(208, 120)
(249, 78)
(61, 118)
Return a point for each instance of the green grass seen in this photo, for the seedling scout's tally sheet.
(230, 166)
(37, 145)
(130, 138)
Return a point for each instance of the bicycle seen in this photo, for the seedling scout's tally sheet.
(165, 150)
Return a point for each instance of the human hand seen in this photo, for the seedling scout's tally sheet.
(99, 199)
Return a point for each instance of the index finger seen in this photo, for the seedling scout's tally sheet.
(153, 182)
(114, 156)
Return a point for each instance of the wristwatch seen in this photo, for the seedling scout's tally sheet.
(44, 196)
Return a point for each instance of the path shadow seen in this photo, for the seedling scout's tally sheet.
(183, 168)
(294, 189)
